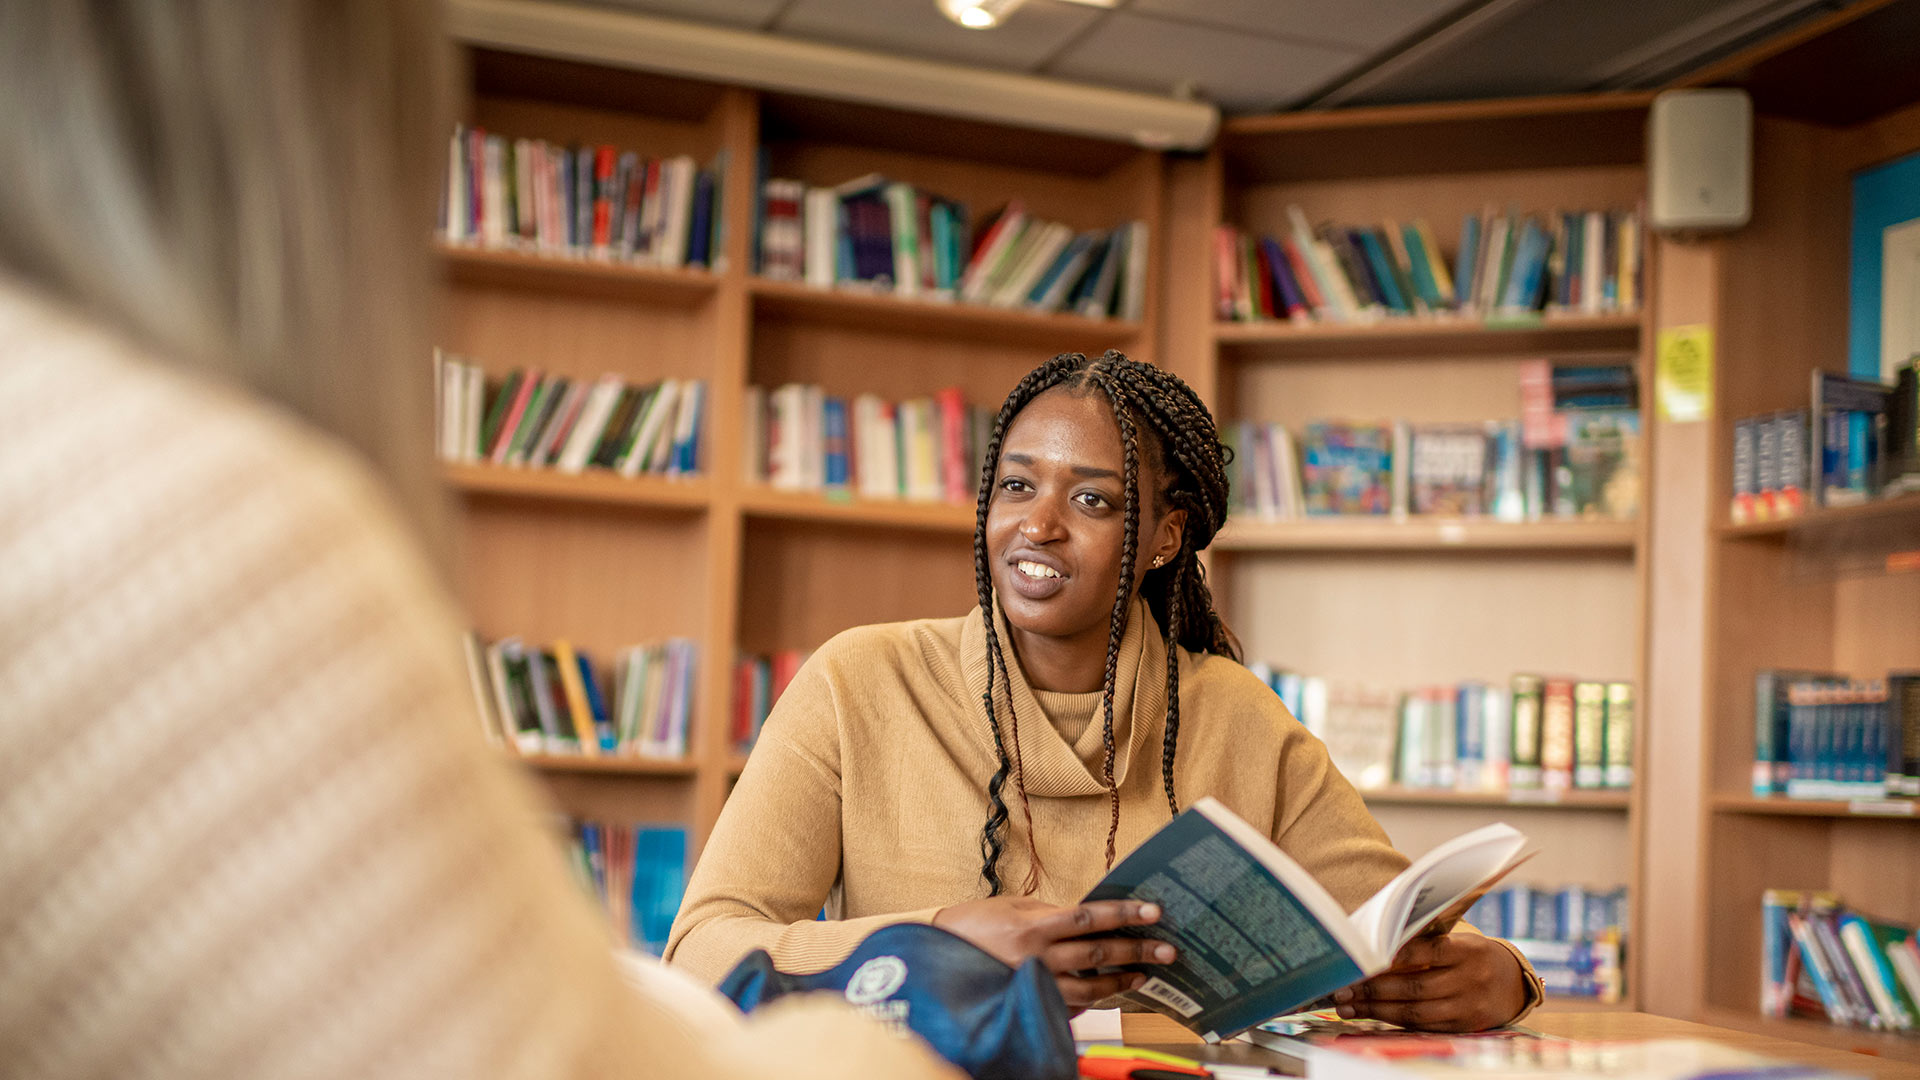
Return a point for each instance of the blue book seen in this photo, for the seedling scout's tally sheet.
(1290, 293)
(659, 880)
(1380, 265)
(1529, 265)
(602, 723)
(1258, 936)
(700, 232)
(833, 433)
(1466, 261)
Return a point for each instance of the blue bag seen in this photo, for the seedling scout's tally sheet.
(994, 1021)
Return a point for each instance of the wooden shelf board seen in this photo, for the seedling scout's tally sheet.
(976, 321)
(621, 765)
(594, 277)
(1571, 799)
(1431, 337)
(597, 486)
(1818, 1033)
(1826, 519)
(1356, 533)
(1867, 809)
(877, 513)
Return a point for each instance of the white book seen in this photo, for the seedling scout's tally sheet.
(473, 415)
(820, 217)
(1133, 292)
(492, 723)
(976, 279)
(686, 423)
(1053, 239)
(493, 192)
(572, 403)
(813, 439)
(523, 215)
(904, 220)
(1496, 737)
(875, 450)
(457, 180)
(1593, 272)
(676, 196)
(1495, 241)
(784, 407)
(601, 397)
(1292, 501)
(655, 431)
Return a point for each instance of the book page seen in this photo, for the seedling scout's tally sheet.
(1427, 896)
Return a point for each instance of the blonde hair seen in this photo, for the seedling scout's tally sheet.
(245, 187)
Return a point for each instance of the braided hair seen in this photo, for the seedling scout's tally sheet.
(1183, 442)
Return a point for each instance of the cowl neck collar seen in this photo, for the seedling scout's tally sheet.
(1053, 767)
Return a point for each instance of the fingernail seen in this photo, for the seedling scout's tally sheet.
(1164, 954)
(1344, 995)
(1138, 982)
(1346, 1012)
(1149, 912)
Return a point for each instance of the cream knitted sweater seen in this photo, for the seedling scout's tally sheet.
(866, 793)
(247, 824)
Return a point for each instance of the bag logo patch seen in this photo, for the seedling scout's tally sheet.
(876, 980)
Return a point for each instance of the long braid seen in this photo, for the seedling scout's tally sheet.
(1187, 448)
(993, 836)
(1123, 597)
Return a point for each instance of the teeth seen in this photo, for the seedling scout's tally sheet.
(1034, 569)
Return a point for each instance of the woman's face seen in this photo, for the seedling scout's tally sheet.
(1058, 516)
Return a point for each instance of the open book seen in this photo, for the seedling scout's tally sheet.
(1259, 937)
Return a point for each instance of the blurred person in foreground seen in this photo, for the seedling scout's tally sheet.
(248, 826)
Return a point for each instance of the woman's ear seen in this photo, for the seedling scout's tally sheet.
(1166, 538)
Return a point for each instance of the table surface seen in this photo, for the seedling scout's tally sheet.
(1153, 1031)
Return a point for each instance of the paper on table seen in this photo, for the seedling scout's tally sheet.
(1097, 1026)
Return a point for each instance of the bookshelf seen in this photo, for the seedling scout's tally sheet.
(1400, 603)
(608, 562)
(1814, 591)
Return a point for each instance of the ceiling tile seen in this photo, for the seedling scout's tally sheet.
(751, 14)
(1363, 23)
(1238, 71)
(915, 27)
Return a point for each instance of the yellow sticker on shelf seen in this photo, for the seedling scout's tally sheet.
(1683, 379)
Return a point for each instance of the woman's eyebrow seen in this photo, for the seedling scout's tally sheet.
(1085, 472)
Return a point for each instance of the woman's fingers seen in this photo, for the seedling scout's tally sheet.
(1096, 917)
(1082, 991)
(1085, 954)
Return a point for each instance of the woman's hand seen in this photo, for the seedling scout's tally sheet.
(1065, 939)
(1453, 982)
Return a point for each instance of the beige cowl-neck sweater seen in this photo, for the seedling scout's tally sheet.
(866, 793)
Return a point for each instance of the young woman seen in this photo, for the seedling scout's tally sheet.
(982, 773)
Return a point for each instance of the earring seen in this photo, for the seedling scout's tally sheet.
(1159, 561)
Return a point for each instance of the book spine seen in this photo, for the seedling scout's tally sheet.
(1557, 734)
(1619, 735)
(1525, 770)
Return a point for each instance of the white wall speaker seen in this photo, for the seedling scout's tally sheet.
(1700, 160)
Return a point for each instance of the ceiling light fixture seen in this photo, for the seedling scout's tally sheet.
(770, 62)
(979, 14)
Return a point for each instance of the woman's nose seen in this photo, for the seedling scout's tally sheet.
(1042, 523)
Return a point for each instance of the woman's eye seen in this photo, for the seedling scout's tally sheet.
(1092, 500)
(1011, 484)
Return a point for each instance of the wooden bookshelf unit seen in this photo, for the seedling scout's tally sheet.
(1403, 603)
(609, 562)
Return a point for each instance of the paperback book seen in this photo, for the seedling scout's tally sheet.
(1258, 936)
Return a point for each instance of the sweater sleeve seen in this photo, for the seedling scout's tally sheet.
(768, 871)
(247, 822)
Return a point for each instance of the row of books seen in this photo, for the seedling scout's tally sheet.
(1574, 452)
(889, 236)
(1535, 733)
(1573, 936)
(1820, 959)
(1817, 735)
(758, 682)
(1506, 265)
(800, 438)
(556, 700)
(1858, 439)
(637, 872)
(544, 420)
(595, 201)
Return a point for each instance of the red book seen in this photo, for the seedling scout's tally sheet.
(504, 437)
(1303, 276)
(1263, 291)
(742, 725)
(603, 196)
(953, 445)
(1226, 275)
(1556, 734)
(786, 665)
